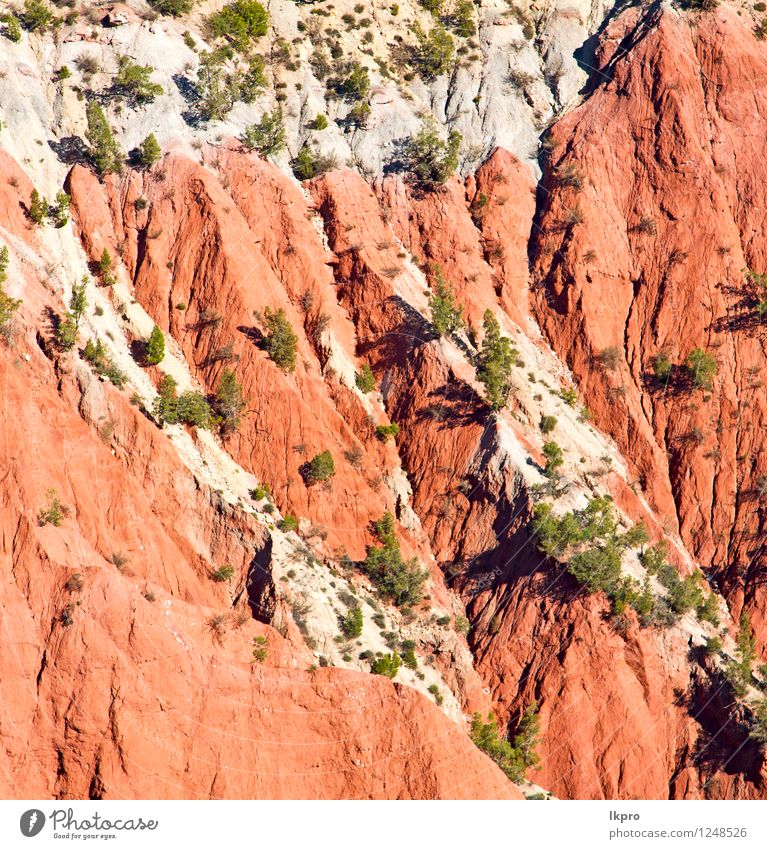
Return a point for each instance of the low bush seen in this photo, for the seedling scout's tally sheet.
(386, 432)
(321, 467)
(280, 341)
(365, 380)
(388, 665)
(223, 573)
(513, 758)
(351, 623)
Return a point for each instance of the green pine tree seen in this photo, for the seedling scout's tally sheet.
(496, 359)
(155, 347)
(149, 151)
(280, 340)
(445, 315)
(229, 403)
(105, 153)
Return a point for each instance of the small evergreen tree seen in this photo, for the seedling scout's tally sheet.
(433, 55)
(105, 153)
(268, 135)
(135, 81)
(193, 409)
(149, 151)
(217, 89)
(321, 467)
(240, 22)
(229, 403)
(351, 623)
(78, 303)
(445, 315)
(554, 459)
(38, 207)
(165, 405)
(59, 214)
(431, 159)
(37, 15)
(398, 580)
(8, 305)
(253, 80)
(365, 379)
(105, 262)
(496, 359)
(701, 368)
(738, 670)
(155, 347)
(12, 28)
(280, 341)
(388, 665)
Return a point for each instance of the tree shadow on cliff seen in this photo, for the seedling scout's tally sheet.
(724, 744)
(71, 150)
(745, 315)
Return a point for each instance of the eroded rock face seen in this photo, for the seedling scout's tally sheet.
(129, 669)
(650, 212)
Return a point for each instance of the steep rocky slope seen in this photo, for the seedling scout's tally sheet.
(632, 244)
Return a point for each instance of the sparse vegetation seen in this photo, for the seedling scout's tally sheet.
(149, 151)
(105, 153)
(662, 367)
(351, 623)
(590, 541)
(38, 207)
(228, 403)
(398, 580)
(433, 53)
(268, 135)
(155, 347)
(496, 358)
(54, 512)
(554, 459)
(176, 8)
(365, 379)
(388, 665)
(36, 15)
(135, 82)
(513, 758)
(240, 23)
(387, 432)
(189, 408)
(738, 670)
(321, 467)
(8, 306)
(288, 523)
(223, 573)
(96, 354)
(547, 424)
(279, 340)
(445, 314)
(11, 27)
(431, 159)
(308, 164)
(701, 368)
